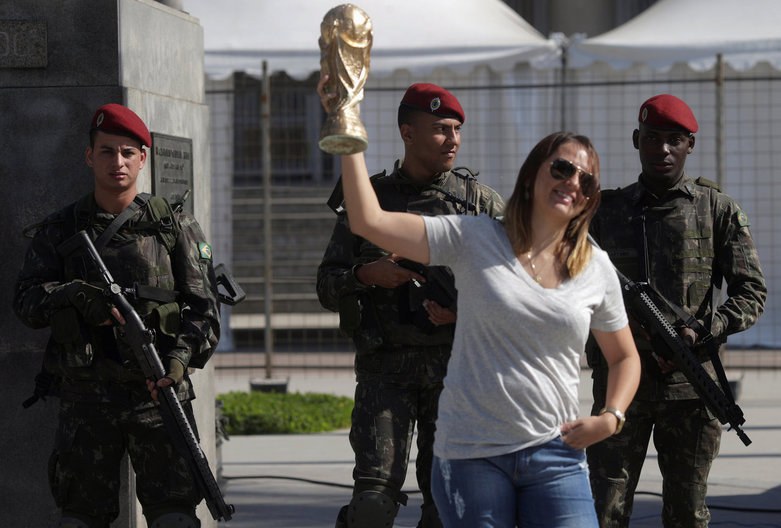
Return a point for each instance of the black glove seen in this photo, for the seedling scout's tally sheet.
(175, 370)
(89, 300)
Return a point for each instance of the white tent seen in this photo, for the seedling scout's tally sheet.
(693, 32)
(458, 44)
(412, 35)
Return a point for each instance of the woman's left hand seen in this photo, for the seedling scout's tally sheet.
(584, 432)
(438, 315)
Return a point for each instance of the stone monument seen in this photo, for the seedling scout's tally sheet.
(59, 61)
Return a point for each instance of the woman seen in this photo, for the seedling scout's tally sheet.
(509, 446)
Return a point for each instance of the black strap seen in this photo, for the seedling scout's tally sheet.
(153, 293)
(642, 246)
(138, 202)
(720, 374)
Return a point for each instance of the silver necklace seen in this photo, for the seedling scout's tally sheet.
(536, 275)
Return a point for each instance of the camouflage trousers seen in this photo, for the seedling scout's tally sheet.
(687, 440)
(397, 389)
(84, 468)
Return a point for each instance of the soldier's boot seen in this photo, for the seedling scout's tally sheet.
(429, 517)
(374, 505)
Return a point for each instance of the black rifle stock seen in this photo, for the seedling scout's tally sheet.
(142, 341)
(639, 301)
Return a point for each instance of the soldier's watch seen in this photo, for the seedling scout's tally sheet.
(619, 416)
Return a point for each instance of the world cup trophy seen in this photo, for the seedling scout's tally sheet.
(345, 47)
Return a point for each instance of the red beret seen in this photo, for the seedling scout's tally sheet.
(433, 99)
(117, 119)
(667, 111)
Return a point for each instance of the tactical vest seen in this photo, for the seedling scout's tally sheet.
(683, 271)
(140, 256)
(382, 317)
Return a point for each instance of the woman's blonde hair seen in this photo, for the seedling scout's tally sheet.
(574, 251)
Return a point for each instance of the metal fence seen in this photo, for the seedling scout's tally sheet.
(739, 115)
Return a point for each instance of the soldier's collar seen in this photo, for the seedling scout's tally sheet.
(398, 172)
(684, 186)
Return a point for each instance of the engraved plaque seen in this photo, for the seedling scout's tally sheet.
(172, 168)
(23, 44)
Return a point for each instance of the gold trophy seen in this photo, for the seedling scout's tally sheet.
(345, 45)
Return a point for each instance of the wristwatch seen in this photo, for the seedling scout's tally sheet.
(618, 414)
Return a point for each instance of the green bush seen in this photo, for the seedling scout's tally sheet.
(251, 413)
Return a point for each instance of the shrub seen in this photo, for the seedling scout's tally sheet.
(251, 413)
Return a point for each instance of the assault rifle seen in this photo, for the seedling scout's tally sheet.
(439, 285)
(142, 342)
(642, 302)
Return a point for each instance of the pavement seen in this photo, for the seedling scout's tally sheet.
(301, 481)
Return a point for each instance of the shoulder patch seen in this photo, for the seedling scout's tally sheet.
(742, 219)
(205, 250)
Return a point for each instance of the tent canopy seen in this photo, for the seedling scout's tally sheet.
(692, 32)
(408, 34)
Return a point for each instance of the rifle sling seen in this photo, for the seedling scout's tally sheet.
(138, 202)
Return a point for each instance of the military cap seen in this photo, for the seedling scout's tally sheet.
(667, 111)
(117, 119)
(433, 99)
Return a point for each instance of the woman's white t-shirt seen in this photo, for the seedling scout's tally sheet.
(513, 374)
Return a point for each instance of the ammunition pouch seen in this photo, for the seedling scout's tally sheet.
(166, 318)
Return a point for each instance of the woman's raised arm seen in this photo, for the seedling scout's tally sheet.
(400, 233)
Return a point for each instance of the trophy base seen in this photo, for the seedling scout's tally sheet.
(343, 144)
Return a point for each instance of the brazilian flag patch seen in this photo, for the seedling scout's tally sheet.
(743, 219)
(205, 250)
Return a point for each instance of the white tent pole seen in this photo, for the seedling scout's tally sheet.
(265, 139)
(564, 48)
(720, 120)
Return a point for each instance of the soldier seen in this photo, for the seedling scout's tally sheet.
(682, 236)
(400, 315)
(106, 408)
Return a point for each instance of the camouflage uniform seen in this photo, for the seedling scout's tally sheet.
(399, 365)
(105, 406)
(694, 236)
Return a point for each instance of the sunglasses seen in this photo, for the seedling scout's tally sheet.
(562, 169)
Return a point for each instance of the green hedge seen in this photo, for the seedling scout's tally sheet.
(251, 413)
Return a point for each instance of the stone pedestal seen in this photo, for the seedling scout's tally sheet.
(59, 61)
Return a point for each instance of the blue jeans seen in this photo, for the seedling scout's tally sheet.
(544, 486)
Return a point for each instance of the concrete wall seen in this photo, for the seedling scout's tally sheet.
(71, 58)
